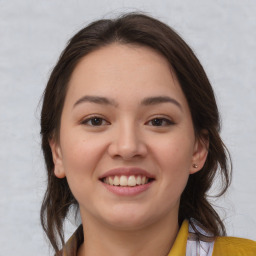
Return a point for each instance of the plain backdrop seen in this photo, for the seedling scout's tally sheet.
(32, 35)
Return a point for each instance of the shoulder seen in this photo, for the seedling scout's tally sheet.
(233, 246)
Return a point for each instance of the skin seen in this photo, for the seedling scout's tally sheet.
(158, 138)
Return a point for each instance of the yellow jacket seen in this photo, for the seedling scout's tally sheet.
(223, 246)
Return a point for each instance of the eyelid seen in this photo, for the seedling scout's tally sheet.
(85, 120)
(169, 121)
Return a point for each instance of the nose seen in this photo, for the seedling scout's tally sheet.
(127, 143)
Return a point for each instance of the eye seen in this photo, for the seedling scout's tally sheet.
(160, 122)
(95, 121)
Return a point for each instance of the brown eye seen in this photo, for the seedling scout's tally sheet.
(95, 121)
(160, 122)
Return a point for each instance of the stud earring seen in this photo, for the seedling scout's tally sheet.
(194, 165)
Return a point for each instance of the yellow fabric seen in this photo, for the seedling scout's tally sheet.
(223, 246)
(179, 246)
(232, 246)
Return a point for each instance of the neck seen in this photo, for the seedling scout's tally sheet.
(153, 240)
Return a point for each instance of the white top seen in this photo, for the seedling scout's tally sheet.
(196, 247)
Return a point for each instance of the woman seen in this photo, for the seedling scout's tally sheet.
(130, 135)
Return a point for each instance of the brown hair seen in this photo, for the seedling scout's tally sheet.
(142, 30)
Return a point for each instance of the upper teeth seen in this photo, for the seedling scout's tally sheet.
(123, 180)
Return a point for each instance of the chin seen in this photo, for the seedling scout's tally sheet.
(128, 219)
(127, 224)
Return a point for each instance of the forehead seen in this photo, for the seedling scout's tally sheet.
(130, 70)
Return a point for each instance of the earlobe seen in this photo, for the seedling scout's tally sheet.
(200, 152)
(57, 159)
(59, 173)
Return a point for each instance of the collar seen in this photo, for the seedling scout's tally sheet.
(179, 246)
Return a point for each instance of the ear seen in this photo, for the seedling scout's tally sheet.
(200, 152)
(57, 159)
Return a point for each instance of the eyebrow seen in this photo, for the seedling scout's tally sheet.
(97, 100)
(146, 102)
(159, 100)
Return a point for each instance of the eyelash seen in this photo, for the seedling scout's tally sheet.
(101, 121)
(167, 122)
(89, 121)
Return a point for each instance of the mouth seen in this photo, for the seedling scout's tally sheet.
(126, 180)
(127, 177)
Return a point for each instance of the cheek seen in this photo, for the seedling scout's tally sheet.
(81, 153)
(80, 160)
(174, 152)
(174, 158)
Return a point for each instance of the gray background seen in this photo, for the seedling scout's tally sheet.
(32, 35)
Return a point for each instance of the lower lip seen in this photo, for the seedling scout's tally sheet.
(128, 191)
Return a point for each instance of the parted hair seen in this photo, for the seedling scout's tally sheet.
(143, 30)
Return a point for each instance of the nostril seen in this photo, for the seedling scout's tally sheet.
(127, 146)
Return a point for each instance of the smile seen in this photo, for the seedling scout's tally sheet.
(126, 181)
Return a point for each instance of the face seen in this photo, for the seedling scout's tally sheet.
(127, 143)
